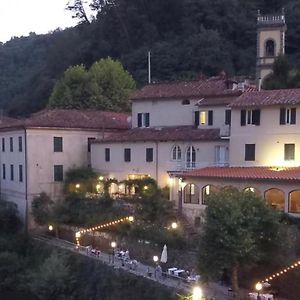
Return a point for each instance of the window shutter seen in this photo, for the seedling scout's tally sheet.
(127, 154)
(139, 120)
(149, 154)
(227, 117)
(256, 117)
(197, 116)
(210, 117)
(147, 119)
(293, 115)
(243, 117)
(282, 116)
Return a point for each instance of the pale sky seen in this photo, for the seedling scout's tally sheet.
(19, 17)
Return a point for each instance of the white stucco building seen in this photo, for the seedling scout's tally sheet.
(36, 152)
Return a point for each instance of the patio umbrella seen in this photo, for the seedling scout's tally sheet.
(164, 254)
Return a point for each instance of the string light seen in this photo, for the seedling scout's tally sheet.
(283, 271)
(78, 233)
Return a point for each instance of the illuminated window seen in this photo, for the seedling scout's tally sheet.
(294, 202)
(191, 194)
(206, 191)
(202, 117)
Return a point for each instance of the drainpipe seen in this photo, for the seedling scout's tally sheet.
(156, 163)
(26, 182)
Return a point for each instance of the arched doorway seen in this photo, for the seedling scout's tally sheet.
(191, 193)
(206, 191)
(294, 202)
(275, 197)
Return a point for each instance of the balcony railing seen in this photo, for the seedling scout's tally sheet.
(186, 166)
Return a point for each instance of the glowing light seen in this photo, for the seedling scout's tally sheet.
(155, 258)
(197, 293)
(77, 186)
(113, 244)
(258, 286)
(101, 178)
(77, 234)
(174, 225)
(131, 218)
(146, 187)
(50, 227)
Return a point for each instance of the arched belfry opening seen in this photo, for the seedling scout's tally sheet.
(270, 42)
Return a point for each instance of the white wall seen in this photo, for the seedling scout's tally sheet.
(119, 169)
(269, 138)
(13, 190)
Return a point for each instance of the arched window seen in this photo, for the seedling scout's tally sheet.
(294, 202)
(191, 194)
(176, 153)
(275, 198)
(190, 157)
(206, 191)
(270, 48)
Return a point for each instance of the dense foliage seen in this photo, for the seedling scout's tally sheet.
(186, 37)
(241, 229)
(105, 86)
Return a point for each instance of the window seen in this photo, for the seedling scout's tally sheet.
(249, 152)
(3, 144)
(12, 172)
(206, 191)
(58, 144)
(250, 117)
(227, 117)
(149, 154)
(270, 48)
(143, 119)
(58, 173)
(3, 171)
(221, 155)
(204, 118)
(127, 154)
(11, 144)
(90, 139)
(190, 157)
(20, 144)
(176, 153)
(20, 173)
(287, 116)
(185, 102)
(107, 154)
(289, 151)
(191, 194)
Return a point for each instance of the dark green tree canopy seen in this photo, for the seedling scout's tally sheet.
(106, 86)
(240, 228)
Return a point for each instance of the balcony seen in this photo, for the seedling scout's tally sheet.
(225, 131)
(187, 166)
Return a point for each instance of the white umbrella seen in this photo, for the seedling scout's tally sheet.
(164, 254)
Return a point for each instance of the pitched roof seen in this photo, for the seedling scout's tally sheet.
(71, 118)
(247, 173)
(214, 86)
(216, 101)
(179, 133)
(265, 98)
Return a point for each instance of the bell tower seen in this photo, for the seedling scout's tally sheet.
(270, 42)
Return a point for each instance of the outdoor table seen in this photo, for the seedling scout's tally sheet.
(261, 295)
(177, 272)
(171, 271)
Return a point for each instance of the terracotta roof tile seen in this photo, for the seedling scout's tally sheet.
(215, 86)
(270, 97)
(216, 101)
(250, 173)
(180, 133)
(77, 119)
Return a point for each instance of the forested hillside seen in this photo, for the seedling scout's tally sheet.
(186, 38)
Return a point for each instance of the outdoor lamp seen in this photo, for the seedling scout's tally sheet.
(50, 227)
(155, 258)
(77, 186)
(131, 218)
(113, 244)
(197, 293)
(258, 287)
(77, 234)
(174, 225)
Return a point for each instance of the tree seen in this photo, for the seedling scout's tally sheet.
(106, 86)
(53, 279)
(9, 217)
(284, 76)
(240, 229)
(41, 209)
